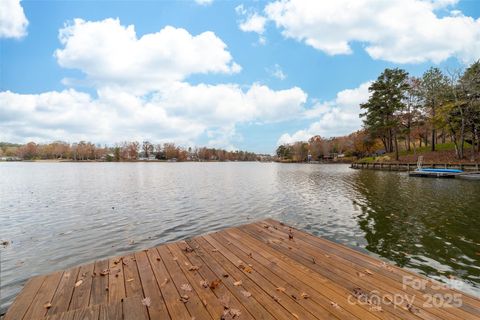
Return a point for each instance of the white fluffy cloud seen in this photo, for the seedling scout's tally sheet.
(400, 31)
(112, 55)
(13, 23)
(332, 118)
(204, 2)
(180, 112)
(253, 23)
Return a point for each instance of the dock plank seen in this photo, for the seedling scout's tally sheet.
(116, 280)
(99, 292)
(176, 308)
(193, 303)
(23, 301)
(83, 287)
(262, 270)
(133, 285)
(44, 296)
(156, 305)
(61, 300)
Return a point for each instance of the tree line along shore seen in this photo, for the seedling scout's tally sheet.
(125, 151)
(436, 115)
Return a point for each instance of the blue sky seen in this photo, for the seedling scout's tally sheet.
(231, 74)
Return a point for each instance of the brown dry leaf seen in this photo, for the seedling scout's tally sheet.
(175, 258)
(368, 272)
(327, 256)
(158, 259)
(184, 298)
(250, 255)
(188, 249)
(186, 287)
(116, 261)
(165, 281)
(47, 305)
(295, 315)
(313, 260)
(129, 280)
(204, 302)
(290, 234)
(225, 275)
(193, 268)
(246, 293)
(277, 299)
(230, 314)
(281, 289)
(360, 274)
(412, 309)
(334, 304)
(248, 269)
(305, 295)
(204, 283)
(237, 283)
(146, 302)
(215, 283)
(78, 283)
(105, 272)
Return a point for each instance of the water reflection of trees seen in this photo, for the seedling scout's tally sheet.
(427, 224)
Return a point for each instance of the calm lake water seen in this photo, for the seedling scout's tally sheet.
(58, 215)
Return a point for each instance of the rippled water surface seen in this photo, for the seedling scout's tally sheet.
(58, 215)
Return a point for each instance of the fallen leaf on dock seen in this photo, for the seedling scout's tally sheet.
(204, 283)
(305, 295)
(215, 283)
(225, 275)
(47, 305)
(334, 304)
(230, 314)
(237, 283)
(105, 272)
(246, 293)
(368, 272)
(295, 315)
(360, 274)
(193, 268)
(412, 309)
(184, 298)
(186, 287)
(78, 283)
(146, 302)
(277, 299)
(281, 289)
(248, 269)
(165, 281)
(175, 258)
(188, 249)
(290, 234)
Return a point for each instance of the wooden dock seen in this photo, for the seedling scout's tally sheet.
(400, 166)
(263, 270)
